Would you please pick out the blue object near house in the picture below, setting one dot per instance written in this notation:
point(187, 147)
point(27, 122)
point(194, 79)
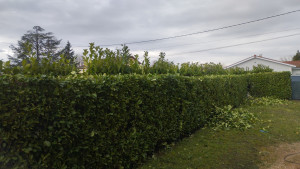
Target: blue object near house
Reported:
point(295, 87)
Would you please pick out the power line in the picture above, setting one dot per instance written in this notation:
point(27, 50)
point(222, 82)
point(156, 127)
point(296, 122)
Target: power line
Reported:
point(200, 32)
point(240, 44)
point(189, 44)
point(194, 33)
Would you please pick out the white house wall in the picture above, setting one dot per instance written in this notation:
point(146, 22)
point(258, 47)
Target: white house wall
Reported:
point(254, 62)
point(296, 72)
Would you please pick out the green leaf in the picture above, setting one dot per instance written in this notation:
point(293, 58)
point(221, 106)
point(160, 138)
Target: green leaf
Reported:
point(92, 134)
point(27, 150)
point(47, 143)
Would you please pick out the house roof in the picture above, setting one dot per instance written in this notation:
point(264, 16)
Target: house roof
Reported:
point(261, 58)
point(133, 58)
point(296, 63)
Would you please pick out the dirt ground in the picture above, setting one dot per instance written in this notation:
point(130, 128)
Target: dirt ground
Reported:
point(276, 157)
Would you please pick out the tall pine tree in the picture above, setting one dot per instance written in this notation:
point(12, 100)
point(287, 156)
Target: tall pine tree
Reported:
point(297, 56)
point(44, 44)
point(68, 53)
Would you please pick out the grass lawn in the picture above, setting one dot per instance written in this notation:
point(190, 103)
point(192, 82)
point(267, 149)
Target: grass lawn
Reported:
point(234, 148)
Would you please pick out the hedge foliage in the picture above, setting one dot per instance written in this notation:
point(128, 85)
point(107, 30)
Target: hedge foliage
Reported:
point(122, 61)
point(60, 67)
point(107, 121)
point(270, 84)
point(100, 61)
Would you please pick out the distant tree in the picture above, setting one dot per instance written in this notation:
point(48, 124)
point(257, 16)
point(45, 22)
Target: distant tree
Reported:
point(297, 56)
point(163, 66)
point(146, 63)
point(68, 53)
point(44, 44)
point(261, 68)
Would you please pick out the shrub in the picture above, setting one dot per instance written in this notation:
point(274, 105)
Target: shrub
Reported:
point(104, 121)
point(275, 84)
point(163, 66)
point(261, 68)
point(196, 69)
point(236, 71)
point(115, 121)
point(60, 67)
point(100, 61)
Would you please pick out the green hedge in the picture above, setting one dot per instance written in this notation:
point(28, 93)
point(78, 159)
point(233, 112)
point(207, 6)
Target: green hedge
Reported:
point(276, 84)
point(105, 121)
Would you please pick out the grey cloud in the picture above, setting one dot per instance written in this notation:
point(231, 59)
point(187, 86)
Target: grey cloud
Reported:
point(119, 21)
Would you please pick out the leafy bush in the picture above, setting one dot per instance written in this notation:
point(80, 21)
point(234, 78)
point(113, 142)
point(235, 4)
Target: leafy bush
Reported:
point(100, 61)
point(60, 67)
point(106, 61)
point(274, 84)
point(236, 71)
point(104, 121)
point(261, 68)
point(228, 117)
point(163, 66)
point(196, 69)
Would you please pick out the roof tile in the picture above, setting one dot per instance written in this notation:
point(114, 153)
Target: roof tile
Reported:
point(296, 63)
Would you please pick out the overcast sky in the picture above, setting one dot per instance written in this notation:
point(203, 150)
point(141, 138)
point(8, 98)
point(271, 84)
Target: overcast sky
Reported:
point(122, 21)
